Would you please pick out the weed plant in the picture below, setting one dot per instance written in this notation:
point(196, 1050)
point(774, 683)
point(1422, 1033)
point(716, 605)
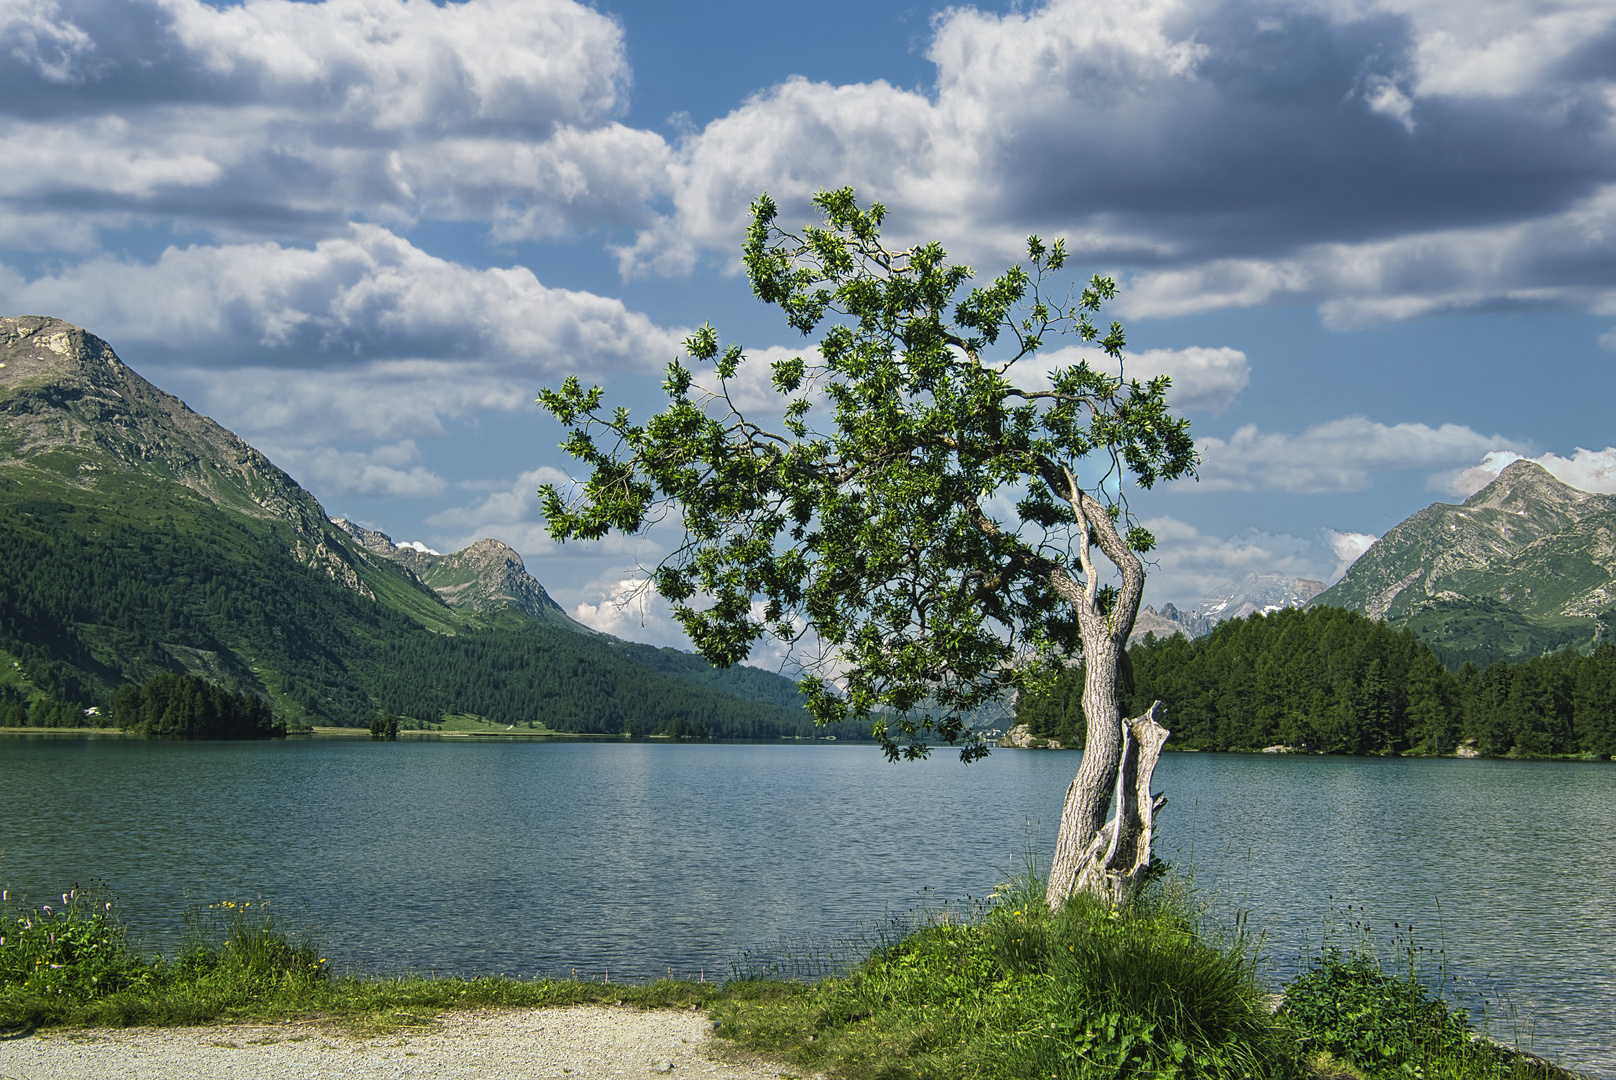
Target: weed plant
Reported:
point(1357, 1015)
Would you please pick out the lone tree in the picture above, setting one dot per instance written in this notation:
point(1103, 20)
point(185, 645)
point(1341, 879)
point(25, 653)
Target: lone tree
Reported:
point(919, 529)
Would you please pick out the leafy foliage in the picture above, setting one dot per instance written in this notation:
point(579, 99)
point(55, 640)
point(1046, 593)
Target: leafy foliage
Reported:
point(67, 953)
point(1383, 1024)
point(914, 520)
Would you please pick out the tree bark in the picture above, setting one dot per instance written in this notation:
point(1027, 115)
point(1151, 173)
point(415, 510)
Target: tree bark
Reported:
point(1118, 755)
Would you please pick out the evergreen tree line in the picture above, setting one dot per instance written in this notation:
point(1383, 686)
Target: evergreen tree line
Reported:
point(172, 706)
point(1327, 680)
point(44, 711)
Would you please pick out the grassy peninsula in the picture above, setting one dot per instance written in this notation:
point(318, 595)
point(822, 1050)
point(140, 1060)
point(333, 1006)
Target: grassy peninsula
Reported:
point(1011, 990)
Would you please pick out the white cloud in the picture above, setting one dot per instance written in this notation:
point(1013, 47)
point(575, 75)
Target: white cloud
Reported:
point(627, 607)
point(291, 409)
point(1607, 340)
point(1587, 470)
point(1382, 159)
point(1555, 260)
point(1347, 546)
point(367, 294)
point(1231, 155)
point(1188, 564)
point(1340, 455)
point(273, 117)
point(41, 39)
point(384, 470)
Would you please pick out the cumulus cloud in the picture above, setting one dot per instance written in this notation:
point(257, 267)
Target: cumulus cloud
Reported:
point(273, 117)
point(1562, 259)
point(1347, 546)
point(1587, 470)
point(1340, 455)
point(628, 607)
point(379, 401)
point(365, 294)
point(1379, 159)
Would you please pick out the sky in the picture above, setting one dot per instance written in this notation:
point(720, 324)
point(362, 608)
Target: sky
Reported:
point(1372, 241)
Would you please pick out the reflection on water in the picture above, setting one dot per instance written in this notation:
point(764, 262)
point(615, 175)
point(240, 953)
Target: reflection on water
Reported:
point(550, 858)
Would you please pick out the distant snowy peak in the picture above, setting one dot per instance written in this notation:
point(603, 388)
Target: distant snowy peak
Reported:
point(1238, 598)
point(1256, 593)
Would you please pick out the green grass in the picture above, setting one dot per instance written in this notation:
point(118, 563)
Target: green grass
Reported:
point(1018, 991)
point(71, 965)
point(1007, 991)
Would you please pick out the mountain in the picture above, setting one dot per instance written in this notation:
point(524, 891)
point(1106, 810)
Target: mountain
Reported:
point(1525, 565)
point(1249, 594)
point(140, 537)
point(71, 411)
point(486, 577)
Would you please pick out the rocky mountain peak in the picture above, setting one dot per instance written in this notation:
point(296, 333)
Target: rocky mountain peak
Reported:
point(1237, 598)
point(488, 575)
point(1526, 488)
point(1538, 547)
point(40, 350)
point(69, 407)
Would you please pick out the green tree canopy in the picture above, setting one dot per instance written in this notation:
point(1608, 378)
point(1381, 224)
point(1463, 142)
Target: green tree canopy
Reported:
point(920, 511)
point(909, 507)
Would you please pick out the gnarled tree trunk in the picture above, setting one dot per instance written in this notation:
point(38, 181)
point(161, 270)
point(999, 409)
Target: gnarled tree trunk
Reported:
point(1119, 756)
point(1117, 858)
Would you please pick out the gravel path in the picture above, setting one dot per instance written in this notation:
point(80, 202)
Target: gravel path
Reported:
point(581, 1043)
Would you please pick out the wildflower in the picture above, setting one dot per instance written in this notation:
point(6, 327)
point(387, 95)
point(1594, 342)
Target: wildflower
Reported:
point(46, 908)
point(64, 899)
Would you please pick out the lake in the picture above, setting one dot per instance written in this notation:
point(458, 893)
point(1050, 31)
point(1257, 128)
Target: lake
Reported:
point(634, 859)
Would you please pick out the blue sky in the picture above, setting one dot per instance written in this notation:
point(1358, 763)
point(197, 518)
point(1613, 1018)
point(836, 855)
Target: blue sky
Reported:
point(1374, 241)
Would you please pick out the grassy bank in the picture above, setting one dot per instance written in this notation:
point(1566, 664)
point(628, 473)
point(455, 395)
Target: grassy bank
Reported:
point(1012, 991)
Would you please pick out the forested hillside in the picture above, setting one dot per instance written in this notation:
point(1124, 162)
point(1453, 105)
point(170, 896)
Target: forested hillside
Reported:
point(1327, 680)
point(95, 594)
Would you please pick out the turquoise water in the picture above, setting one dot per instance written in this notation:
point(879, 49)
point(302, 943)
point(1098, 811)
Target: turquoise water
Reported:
point(555, 858)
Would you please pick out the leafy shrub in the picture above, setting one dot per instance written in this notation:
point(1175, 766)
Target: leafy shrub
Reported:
point(1384, 1025)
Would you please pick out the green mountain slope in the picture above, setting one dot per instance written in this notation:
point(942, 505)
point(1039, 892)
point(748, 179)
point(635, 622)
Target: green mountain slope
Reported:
point(1526, 565)
point(140, 537)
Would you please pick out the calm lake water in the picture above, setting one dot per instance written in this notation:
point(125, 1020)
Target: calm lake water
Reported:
point(555, 858)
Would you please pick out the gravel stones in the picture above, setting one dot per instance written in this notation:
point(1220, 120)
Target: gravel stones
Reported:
point(581, 1043)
